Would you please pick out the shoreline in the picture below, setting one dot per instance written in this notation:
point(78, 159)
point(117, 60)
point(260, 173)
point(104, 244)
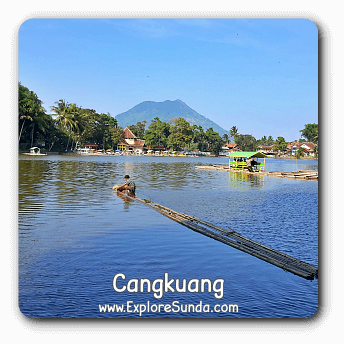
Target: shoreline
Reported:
point(153, 155)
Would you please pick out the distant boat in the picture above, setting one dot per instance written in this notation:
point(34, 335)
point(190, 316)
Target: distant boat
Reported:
point(35, 151)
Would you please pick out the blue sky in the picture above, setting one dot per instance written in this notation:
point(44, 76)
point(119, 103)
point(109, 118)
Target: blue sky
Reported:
point(260, 75)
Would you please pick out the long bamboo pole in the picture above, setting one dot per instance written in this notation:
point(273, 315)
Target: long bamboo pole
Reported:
point(236, 240)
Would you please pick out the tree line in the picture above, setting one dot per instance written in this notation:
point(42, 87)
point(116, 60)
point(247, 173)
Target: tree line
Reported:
point(74, 126)
point(178, 134)
point(71, 126)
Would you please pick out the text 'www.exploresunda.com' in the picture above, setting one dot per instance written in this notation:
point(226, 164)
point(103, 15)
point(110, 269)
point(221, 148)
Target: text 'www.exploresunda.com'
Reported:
point(175, 307)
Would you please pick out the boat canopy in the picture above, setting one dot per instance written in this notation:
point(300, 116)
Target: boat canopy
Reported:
point(35, 150)
point(247, 155)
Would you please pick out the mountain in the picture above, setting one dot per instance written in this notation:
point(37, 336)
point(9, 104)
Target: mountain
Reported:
point(148, 110)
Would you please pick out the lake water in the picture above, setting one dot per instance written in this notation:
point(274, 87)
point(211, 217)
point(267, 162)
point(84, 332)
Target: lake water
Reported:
point(75, 235)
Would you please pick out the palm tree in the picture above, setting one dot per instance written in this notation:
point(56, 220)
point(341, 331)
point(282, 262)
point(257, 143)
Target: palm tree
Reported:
point(30, 108)
point(233, 132)
point(80, 123)
point(40, 120)
point(61, 110)
point(270, 141)
point(76, 122)
point(66, 114)
point(23, 117)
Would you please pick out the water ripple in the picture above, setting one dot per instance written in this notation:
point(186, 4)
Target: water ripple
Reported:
point(75, 234)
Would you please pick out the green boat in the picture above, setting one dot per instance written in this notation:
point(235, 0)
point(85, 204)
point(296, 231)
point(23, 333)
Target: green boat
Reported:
point(237, 160)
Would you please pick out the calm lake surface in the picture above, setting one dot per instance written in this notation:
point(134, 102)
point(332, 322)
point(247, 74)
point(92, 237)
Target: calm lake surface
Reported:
point(75, 235)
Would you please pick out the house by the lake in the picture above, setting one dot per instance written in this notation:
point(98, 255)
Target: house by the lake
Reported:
point(307, 147)
point(130, 143)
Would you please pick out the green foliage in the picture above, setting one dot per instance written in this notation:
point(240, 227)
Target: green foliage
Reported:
point(138, 129)
point(310, 132)
point(199, 138)
point(266, 141)
point(157, 133)
point(33, 121)
point(233, 132)
point(225, 138)
point(280, 145)
point(72, 127)
point(215, 141)
point(246, 143)
point(181, 134)
point(299, 152)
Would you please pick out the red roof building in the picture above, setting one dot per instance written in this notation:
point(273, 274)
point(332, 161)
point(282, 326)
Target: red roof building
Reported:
point(308, 148)
point(91, 145)
point(231, 147)
point(130, 142)
point(265, 148)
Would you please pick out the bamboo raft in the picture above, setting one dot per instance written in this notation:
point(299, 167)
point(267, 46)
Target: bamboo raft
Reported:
point(301, 174)
point(236, 240)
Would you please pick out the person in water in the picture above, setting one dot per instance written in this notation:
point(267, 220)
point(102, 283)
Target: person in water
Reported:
point(129, 186)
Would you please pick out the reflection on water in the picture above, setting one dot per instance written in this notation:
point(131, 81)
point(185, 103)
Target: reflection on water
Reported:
point(238, 179)
point(75, 234)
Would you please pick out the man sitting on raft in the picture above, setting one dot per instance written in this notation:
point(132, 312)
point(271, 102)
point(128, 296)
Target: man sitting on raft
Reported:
point(129, 186)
